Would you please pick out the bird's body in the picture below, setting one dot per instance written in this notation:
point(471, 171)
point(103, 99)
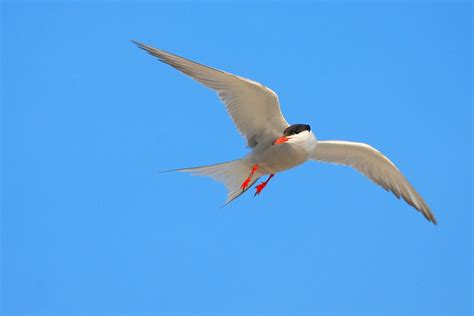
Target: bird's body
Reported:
point(277, 158)
point(277, 146)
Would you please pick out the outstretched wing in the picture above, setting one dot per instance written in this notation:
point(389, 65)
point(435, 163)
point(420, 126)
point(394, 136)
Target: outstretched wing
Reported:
point(374, 165)
point(253, 107)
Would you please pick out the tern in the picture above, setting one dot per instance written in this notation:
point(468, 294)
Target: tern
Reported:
point(276, 145)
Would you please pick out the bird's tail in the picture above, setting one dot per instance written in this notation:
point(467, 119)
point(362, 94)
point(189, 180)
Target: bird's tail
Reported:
point(232, 174)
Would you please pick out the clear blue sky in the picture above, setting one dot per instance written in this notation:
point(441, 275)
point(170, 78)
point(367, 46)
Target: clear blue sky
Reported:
point(89, 226)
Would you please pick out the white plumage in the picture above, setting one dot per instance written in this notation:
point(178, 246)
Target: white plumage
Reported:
point(277, 146)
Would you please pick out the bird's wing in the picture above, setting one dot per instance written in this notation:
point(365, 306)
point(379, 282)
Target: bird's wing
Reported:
point(374, 165)
point(253, 107)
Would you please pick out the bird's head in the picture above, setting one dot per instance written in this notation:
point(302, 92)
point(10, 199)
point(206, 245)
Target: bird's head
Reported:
point(294, 132)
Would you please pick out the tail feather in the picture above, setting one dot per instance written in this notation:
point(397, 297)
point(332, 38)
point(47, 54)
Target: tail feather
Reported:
point(232, 174)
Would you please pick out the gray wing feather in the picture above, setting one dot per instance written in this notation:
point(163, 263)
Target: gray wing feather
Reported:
point(254, 108)
point(375, 166)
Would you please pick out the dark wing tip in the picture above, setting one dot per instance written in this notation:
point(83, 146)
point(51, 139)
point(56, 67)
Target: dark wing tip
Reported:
point(137, 43)
point(142, 45)
point(428, 215)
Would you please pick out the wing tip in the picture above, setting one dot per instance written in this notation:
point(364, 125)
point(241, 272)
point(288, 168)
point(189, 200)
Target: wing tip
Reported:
point(142, 45)
point(432, 219)
point(138, 43)
point(427, 214)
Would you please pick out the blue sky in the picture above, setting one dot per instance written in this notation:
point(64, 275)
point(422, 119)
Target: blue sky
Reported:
point(89, 225)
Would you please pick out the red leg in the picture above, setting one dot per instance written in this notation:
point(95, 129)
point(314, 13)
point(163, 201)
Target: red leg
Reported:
point(262, 185)
point(247, 181)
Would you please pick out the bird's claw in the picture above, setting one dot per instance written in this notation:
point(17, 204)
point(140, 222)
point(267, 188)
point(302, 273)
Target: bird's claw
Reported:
point(245, 184)
point(259, 188)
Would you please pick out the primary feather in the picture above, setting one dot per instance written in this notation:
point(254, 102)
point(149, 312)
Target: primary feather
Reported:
point(375, 166)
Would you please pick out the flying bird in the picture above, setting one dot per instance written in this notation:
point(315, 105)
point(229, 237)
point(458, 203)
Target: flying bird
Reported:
point(276, 145)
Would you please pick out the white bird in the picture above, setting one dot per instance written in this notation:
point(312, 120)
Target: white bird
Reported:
point(276, 145)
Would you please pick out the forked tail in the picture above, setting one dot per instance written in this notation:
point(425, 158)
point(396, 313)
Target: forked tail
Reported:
point(232, 174)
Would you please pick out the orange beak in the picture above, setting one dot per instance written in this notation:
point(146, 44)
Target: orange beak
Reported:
point(281, 140)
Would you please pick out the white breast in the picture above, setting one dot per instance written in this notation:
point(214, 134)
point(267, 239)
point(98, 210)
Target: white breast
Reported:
point(292, 153)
